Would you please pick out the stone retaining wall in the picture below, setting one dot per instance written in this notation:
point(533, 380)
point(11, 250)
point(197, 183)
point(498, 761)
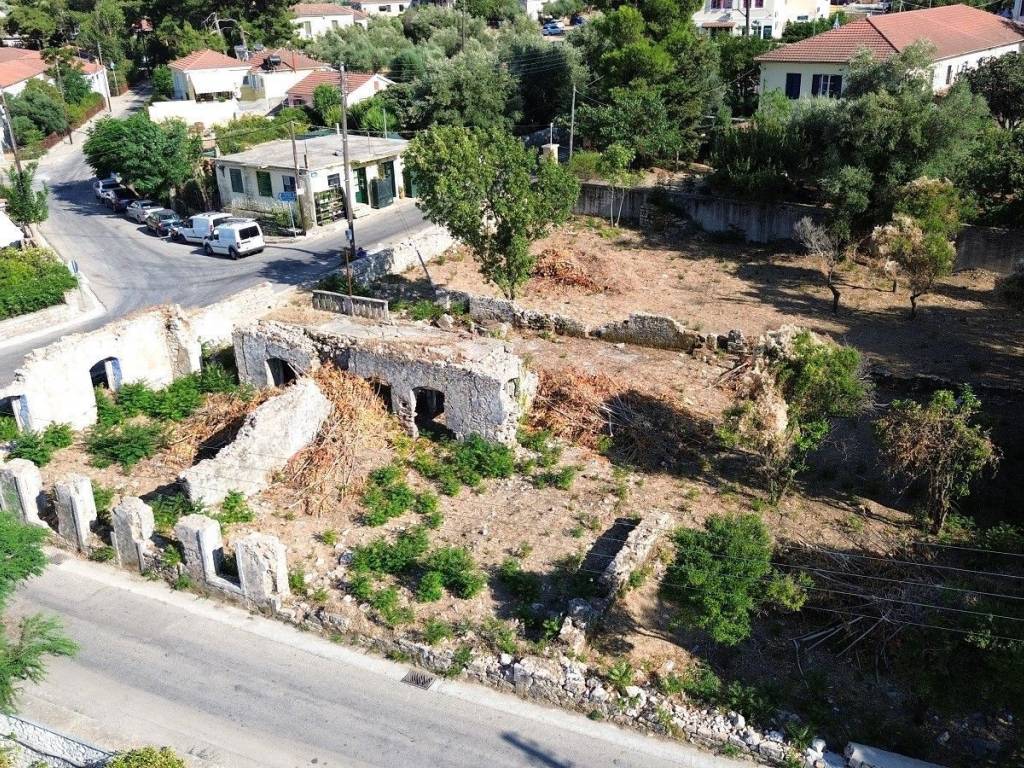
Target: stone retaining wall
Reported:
point(35, 744)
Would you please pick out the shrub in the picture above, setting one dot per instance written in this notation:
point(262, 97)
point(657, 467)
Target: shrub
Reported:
point(297, 582)
point(621, 674)
point(102, 554)
point(361, 586)
point(8, 428)
point(719, 574)
point(320, 596)
point(421, 309)
point(147, 757)
point(381, 556)
point(465, 463)
point(124, 444)
point(167, 508)
point(386, 495)
point(522, 585)
point(458, 571)
point(39, 447)
point(235, 509)
point(431, 587)
point(30, 280)
point(541, 442)
point(135, 398)
point(702, 684)
point(460, 660)
point(385, 602)
point(328, 537)
point(558, 478)
point(435, 630)
point(180, 399)
point(500, 635)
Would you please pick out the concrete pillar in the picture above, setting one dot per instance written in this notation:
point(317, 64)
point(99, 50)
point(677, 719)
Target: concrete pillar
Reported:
point(21, 490)
point(201, 544)
point(132, 520)
point(76, 510)
point(262, 568)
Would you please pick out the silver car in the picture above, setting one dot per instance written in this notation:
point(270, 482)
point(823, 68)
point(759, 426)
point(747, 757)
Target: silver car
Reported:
point(138, 210)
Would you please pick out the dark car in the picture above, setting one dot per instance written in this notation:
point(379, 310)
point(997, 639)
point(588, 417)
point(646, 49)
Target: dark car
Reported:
point(120, 198)
point(161, 221)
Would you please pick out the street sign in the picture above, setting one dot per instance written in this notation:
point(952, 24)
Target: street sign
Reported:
point(286, 197)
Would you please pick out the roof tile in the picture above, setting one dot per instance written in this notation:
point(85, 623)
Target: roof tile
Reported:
point(206, 59)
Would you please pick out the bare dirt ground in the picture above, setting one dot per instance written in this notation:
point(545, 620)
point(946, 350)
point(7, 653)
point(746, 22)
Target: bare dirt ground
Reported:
point(962, 331)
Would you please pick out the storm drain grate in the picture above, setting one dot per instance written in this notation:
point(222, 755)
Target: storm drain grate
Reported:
point(419, 679)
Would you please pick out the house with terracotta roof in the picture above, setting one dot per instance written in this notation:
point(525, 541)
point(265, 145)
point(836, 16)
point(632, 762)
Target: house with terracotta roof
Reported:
point(961, 36)
point(768, 18)
point(19, 65)
point(360, 86)
point(273, 71)
point(208, 76)
point(315, 19)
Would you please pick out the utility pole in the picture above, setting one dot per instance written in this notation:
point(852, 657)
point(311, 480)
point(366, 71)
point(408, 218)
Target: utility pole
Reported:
point(106, 82)
point(10, 130)
point(351, 251)
point(63, 100)
point(572, 120)
point(295, 161)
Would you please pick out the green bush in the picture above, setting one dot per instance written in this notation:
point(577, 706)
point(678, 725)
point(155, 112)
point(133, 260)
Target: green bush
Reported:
point(385, 602)
point(621, 674)
point(524, 586)
point(541, 442)
point(297, 582)
point(500, 635)
point(147, 757)
point(382, 556)
point(431, 587)
point(719, 576)
point(562, 478)
point(102, 554)
point(124, 444)
point(456, 464)
point(167, 508)
point(458, 570)
point(8, 428)
point(39, 447)
point(435, 630)
point(103, 497)
point(235, 509)
point(421, 309)
point(30, 280)
point(387, 495)
point(702, 684)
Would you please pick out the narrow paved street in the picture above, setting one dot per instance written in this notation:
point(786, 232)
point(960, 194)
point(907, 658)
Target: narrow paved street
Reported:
point(129, 269)
point(231, 689)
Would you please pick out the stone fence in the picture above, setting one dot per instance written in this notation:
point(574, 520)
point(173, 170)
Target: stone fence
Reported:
point(426, 245)
point(34, 744)
point(355, 306)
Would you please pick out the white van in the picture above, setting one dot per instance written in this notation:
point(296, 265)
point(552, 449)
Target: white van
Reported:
point(195, 229)
point(235, 238)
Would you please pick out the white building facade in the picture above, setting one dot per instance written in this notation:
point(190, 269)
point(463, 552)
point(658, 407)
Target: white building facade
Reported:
point(768, 18)
point(208, 75)
point(315, 19)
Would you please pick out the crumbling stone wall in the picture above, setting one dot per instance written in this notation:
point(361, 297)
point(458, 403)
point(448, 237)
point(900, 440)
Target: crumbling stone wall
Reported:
point(270, 436)
point(133, 525)
point(650, 331)
point(485, 386)
point(262, 569)
point(635, 551)
point(21, 490)
point(76, 510)
point(430, 243)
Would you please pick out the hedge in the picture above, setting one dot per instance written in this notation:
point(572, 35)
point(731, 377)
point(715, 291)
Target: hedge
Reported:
point(30, 280)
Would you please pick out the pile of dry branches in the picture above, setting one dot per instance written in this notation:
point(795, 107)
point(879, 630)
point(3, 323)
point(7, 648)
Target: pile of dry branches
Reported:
point(565, 269)
point(213, 426)
point(347, 445)
point(572, 404)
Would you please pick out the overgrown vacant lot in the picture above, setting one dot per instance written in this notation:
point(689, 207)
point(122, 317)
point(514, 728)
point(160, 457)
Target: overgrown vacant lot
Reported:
point(962, 332)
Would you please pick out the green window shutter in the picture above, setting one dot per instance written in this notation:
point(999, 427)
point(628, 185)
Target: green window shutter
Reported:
point(263, 184)
point(236, 181)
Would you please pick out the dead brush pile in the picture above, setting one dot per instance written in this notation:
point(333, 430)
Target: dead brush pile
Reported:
point(572, 270)
point(610, 415)
point(349, 445)
point(213, 426)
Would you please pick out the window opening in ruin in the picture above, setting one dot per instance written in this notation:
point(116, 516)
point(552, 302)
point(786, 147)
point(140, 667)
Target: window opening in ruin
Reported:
point(106, 374)
point(430, 412)
point(383, 391)
point(14, 408)
point(280, 372)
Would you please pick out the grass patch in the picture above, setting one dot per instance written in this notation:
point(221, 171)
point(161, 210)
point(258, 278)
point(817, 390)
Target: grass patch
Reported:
point(168, 508)
point(382, 556)
point(102, 554)
point(435, 630)
point(561, 478)
point(457, 571)
point(420, 309)
point(542, 443)
point(235, 509)
point(124, 444)
point(31, 279)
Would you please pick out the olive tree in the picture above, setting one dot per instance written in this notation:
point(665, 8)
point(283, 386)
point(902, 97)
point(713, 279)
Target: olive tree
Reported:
point(492, 193)
point(939, 444)
point(825, 248)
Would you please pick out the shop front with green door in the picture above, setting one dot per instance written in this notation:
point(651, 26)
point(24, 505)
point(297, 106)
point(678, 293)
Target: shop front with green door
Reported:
point(362, 195)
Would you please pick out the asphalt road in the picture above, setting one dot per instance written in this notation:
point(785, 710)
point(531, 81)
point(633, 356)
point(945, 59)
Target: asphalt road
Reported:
point(230, 689)
point(129, 269)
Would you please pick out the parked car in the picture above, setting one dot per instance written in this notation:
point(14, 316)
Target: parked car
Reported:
point(138, 210)
point(235, 238)
point(120, 198)
point(195, 229)
point(552, 28)
point(161, 220)
point(577, 20)
point(101, 186)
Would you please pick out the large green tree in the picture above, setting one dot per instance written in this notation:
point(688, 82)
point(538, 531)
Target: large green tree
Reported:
point(25, 204)
point(154, 158)
point(492, 193)
point(1000, 81)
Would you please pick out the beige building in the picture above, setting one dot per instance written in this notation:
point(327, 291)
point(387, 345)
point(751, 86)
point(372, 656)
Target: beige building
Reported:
point(264, 179)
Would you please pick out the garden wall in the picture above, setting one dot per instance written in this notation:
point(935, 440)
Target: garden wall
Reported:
point(36, 744)
point(755, 222)
point(77, 302)
point(991, 248)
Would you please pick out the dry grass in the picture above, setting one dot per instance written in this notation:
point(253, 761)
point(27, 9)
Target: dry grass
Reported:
point(359, 428)
point(572, 404)
point(570, 269)
point(212, 426)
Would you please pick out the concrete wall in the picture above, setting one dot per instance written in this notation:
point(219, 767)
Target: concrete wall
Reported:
point(38, 744)
point(429, 243)
point(309, 27)
point(207, 113)
point(990, 248)
point(756, 222)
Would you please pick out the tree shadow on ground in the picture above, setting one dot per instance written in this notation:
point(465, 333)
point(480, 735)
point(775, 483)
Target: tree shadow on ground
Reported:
point(534, 753)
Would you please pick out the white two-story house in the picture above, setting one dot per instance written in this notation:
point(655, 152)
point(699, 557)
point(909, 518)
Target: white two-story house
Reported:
point(768, 18)
point(962, 36)
point(315, 19)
